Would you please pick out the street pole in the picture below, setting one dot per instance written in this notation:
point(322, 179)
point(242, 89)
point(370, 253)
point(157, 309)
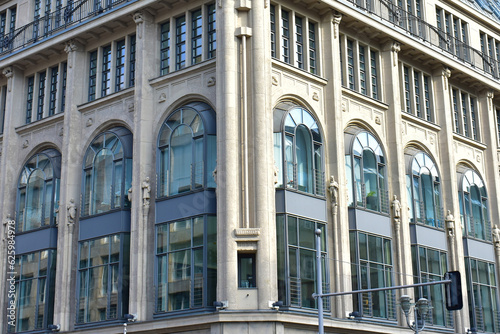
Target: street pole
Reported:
point(319, 282)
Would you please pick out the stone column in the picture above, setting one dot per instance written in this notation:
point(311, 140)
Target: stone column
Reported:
point(10, 165)
point(449, 185)
point(71, 174)
point(228, 152)
point(141, 298)
point(338, 224)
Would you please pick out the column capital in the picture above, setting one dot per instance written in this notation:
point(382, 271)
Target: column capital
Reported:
point(8, 72)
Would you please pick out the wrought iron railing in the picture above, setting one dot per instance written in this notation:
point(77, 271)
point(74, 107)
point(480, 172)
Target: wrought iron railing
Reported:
point(476, 228)
point(292, 179)
point(62, 18)
point(374, 200)
point(422, 218)
point(417, 28)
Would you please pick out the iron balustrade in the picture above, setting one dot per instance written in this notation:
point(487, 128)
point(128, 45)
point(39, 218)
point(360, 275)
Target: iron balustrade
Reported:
point(44, 27)
point(376, 202)
point(476, 228)
point(436, 221)
point(420, 30)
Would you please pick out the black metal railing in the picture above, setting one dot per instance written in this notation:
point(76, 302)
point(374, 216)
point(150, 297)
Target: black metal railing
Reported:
point(476, 228)
point(44, 27)
point(373, 200)
point(417, 28)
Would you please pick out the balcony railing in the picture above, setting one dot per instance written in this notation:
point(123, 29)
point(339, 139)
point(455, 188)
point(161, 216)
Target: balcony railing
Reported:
point(44, 27)
point(419, 29)
point(422, 218)
point(375, 201)
point(476, 228)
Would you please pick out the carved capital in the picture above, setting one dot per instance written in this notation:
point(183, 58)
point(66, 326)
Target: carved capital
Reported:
point(8, 72)
point(70, 46)
point(138, 17)
point(336, 22)
point(446, 73)
point(395, 47)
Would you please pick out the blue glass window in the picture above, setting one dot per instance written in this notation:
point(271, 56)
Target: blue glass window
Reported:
point(474, 206)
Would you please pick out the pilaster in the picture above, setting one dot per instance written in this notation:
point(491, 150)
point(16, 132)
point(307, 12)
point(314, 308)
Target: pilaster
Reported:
point(141, 298)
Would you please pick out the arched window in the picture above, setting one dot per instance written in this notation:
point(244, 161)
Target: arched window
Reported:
point(474, 206)
point(187, 150)
point(107, 172)
point(366, 171)
point(424, 191)
point(298, 149)
point(38, 191)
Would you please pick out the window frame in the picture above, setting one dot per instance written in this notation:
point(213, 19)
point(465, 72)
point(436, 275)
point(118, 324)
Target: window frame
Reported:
point(466, 116)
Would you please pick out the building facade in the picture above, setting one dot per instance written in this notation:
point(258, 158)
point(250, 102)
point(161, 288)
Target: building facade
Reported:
point(165, 164)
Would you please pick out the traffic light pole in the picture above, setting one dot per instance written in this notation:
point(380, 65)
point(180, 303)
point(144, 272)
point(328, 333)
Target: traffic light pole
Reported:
point(319, 295)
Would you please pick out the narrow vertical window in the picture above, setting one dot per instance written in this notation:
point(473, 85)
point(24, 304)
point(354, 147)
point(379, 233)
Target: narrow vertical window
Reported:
point(498, 125)
point(41, 94)
point(53, 90)
point(196, 36)
point(36, 17)
point(455, 111)
point(350, 64)
point(29, 98)
point(46, 26)
point(131, 64)
point(106, 71)
point(362, 69)
point(92, 75)
point(120, 66)
point(273, 31)
point(63, 86)
point(13, 13)
point(285, 36)
point(180, 42)
point(3, 23)
point(299, 43)
point(246, 270)
point(165, 48)
point(406, 75)
point(212, 36)
point(427, 99)
point(465, 117)
point(374, 74)
point(3, 104)
point(417, 92)
point(312, 48)
point(473, 118)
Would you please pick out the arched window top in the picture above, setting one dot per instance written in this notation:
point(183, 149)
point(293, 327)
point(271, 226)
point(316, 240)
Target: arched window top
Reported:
point(288, 117)
point(47, 162)
point(116, 142)
point(364, 140)
point(423, 164)
point(470, 179)
point(199, 117)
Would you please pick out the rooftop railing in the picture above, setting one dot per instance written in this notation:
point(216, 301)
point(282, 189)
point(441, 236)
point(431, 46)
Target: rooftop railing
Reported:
point(418, 29)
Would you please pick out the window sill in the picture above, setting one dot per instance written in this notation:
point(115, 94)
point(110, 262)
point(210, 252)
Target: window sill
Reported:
point(420, 121)
point(468, 141)
point(116, 96)
point(82, 218)
point(299, 72)
point(202, 66)
point(365, 98)
point(26, 128)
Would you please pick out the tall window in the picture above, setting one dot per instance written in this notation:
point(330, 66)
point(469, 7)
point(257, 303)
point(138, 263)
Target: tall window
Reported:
point(92, 75)
point(418, 93)
point(29, 98)
point(296, 244)
point(131, 61)
point(474, 206)
point(196, 36)
point(106, 71)
point(34, 286)
point(366, 172)
point(107, 172)
point(186, 261)
point(180, 42)
point(431, 265)
point(424, 191)
point(371, 258)
point(41, 94)
point(187, 150)
point(360, 67)
point(408, 14)
point(498, 125)
point(298, 149)
point(120, 65)
point(296, 43)
point(482, 292)
point(490, 47)
point(212, 29)
point(165, 48)
point(7, 27)
point(453, 34)
point(103, 278)
point(38, 191)
point(3, 105)
point(465, 114)
point(53, 90)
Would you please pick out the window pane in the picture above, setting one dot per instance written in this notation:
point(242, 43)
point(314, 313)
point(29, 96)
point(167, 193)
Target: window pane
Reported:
point(179, 278)
point(103, 179)
point(180, 235)
point(304, 159)
point(34, 200)
point(181, 160)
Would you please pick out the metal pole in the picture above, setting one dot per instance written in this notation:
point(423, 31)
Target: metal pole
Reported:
point(319, 282)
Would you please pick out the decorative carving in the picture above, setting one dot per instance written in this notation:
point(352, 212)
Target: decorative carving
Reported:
point(90, 121)
point(495, 233)
point(129, 194)
point(450, 224)
point(56, 210)
point(396, 207)
point(7, 72)
point(315, 96)
point(8, 221)
point(377, 120)
point(276, 173)
point(333, 188)
point(274, 80)
point(336, 22)
point(162, 98)
point(131, 107)
point(214, 174)
point(139, 21)
point(489, 97)
point(211, 82)
point(344, 106)
point(478, 158)
point(395, 48)
point(26, 143)
point(446, 73)
point(431, 140)
point(219, 3)
point(69, 47)
point(146, 193)
point(61, 131)
point(71, 208)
